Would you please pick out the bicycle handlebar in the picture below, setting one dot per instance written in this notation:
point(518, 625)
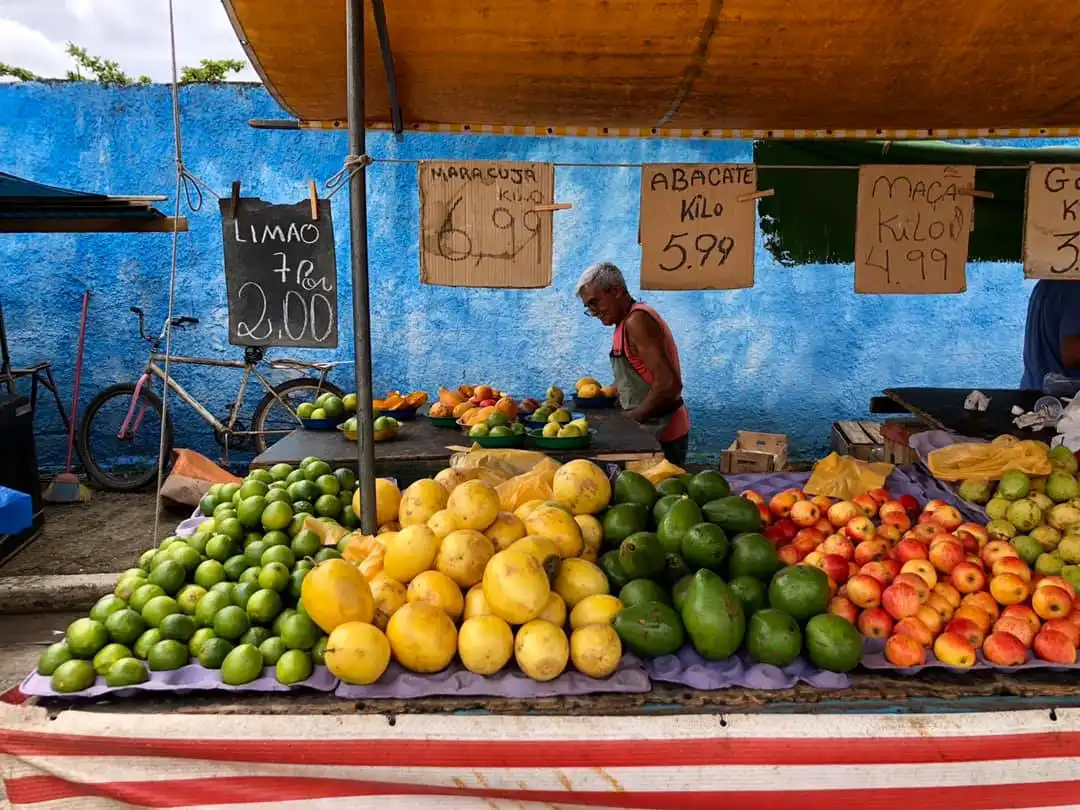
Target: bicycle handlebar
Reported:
point(178, 322)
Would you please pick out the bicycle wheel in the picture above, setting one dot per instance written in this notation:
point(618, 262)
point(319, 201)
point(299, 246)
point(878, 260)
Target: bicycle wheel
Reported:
point(272, 420)
point(129, 463)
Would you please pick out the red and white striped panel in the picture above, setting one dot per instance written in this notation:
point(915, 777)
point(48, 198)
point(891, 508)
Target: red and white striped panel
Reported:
point(89, 761)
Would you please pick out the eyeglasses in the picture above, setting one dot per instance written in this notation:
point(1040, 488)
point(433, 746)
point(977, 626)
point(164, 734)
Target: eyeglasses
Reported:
point(591, 306)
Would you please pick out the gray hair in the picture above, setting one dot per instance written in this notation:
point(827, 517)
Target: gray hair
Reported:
point(604, 274)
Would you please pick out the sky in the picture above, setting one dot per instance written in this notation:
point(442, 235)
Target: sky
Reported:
point(135, 33)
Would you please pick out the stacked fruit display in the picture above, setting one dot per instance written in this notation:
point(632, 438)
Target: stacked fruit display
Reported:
point(923, 580)
point(589, 388)
point(689, 560)
point(453, 574)
point(1039, 516)
point(228, 597)
point(327, 406)
point(476, 405)
point(553, 420)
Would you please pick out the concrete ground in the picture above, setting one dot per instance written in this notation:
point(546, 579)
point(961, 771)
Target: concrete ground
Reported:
point(105, 535)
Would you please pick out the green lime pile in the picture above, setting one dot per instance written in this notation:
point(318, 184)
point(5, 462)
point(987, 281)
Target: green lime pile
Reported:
point(226, 598)
point(689, 563)
point(327, 406)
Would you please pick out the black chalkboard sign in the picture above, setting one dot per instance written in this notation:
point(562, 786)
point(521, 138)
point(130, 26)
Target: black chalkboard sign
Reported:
point(281, 274)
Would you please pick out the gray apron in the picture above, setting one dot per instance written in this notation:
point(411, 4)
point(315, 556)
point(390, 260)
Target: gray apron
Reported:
point(633, 389)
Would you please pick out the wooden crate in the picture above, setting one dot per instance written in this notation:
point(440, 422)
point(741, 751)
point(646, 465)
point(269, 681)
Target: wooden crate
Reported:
point(897, 434)
point(858, 439)
point(755, 453)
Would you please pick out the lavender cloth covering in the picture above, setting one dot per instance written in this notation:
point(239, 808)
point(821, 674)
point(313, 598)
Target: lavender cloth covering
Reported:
point(401, 684)
point(689, 669)
point(190, 678)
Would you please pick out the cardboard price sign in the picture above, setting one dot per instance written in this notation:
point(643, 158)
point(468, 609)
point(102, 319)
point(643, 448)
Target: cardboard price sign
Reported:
point(1052, 223)
point(478, 226)
point(912, 228)
point(695, 232)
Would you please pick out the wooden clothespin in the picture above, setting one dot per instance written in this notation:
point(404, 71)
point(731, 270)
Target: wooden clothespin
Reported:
point(313, 195)
point(974, 192)
point(234, 199)
point(756, 195)
point(553, 207)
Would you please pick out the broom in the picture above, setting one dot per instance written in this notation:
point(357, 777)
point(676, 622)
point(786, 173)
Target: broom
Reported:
point(66, 487)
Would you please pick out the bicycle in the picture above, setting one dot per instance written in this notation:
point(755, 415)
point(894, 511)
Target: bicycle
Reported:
point(274, 414)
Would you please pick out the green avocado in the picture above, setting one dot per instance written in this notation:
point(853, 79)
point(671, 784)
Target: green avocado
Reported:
point(641, 555)
point(713, 616)
point(661, 507)
point(708, 486)
point(679, 519)
point(612, 568)
point(705, 546)
point(639, 591)
point(650, 629)
point(623, 520)
point(734, 514)
point(632, 487)
point(752, 555)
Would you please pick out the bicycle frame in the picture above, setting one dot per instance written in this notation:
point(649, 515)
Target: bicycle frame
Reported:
point(128, 428)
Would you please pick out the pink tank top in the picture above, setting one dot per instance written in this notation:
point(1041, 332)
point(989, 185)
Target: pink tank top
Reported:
point(679, 425)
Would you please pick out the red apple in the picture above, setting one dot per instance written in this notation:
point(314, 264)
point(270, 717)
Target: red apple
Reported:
point(868, 504)
point(907, 550)
point(916, 629)
point(1025, 613)
point(775, 535)
point(823, 502)
point(1008, 589)
point(1011, 565)
point(967, 578)
point(795, 491)
point(788, 527)
point(841, 513)
point(1066, 627)
point(1051, 602)
point(916, 582)
point(1017, 628)
point(1074, 617)
point(781, 504)
point(934, 504)
point(904, 652)
point(890, 533)
point(813, 558)
point(1004, 649)
point(841, 606)
point(897, 519)
point(996, 549)
point(753, 496)
point(949, 593)
point(789, 555)
point(909, 503)
point(835, 567)
point(946, 555)
point(901, 600)
point(968, 629)
point(977, 615)
point(948, 517)
point(1059, 582)
point(984, 601)
point(973, 530)
point(864, 591)
point(881, 495)
point(875, 623)
point(953, 650)
point(839, 545)
point(940, 606)
point(869, 550)
point(1055, 647)
point(824, 526)
point(922, 569)
point(929, 617)
point(860, 528)
point(766, 514)
point(807, 540)
point(805, 513)
point(942, 536)
point(892, 567)
point(877, 570)
point(925, 532)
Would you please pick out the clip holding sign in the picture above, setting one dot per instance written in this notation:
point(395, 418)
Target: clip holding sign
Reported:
point(313, 196)
point(234, 199)
point(974, 192)
point(757, 195)
point(553, 207)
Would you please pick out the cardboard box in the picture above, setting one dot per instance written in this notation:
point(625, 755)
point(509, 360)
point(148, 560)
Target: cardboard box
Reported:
point(861, 440)
point(755, 453)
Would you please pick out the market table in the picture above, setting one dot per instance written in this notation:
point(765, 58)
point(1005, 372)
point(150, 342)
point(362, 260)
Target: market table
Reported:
point(423, 449)
point(943, 408)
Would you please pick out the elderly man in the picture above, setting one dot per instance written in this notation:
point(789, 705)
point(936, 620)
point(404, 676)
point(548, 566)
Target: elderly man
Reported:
point(644, 358)
point(1052, 333)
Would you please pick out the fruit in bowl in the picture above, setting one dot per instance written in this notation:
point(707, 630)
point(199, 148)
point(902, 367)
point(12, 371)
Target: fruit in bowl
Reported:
point(590, 388)
point(386, 428)
point(440, 410)
point(395, 401)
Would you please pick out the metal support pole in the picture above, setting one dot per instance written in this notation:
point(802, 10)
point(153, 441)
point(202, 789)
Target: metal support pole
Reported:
point(365, 447)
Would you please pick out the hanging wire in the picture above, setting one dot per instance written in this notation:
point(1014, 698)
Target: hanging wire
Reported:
point(760, 166)
point(180, 187)
point(341, 178)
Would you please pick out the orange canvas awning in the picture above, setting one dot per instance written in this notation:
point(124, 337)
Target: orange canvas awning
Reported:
point(750, 68)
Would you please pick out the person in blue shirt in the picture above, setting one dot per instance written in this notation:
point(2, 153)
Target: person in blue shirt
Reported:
point(1052, 333)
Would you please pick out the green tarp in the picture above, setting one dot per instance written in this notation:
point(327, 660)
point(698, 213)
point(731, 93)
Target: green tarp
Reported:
point(811, 217)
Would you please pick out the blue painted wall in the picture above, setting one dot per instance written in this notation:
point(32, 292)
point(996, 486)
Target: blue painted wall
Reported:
point(793, 354)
